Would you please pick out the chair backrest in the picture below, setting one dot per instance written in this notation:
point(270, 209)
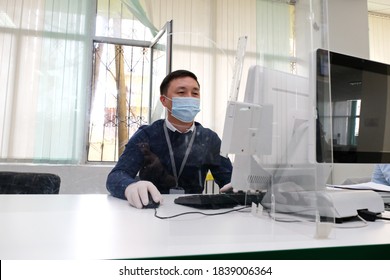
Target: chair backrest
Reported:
point(29, 183)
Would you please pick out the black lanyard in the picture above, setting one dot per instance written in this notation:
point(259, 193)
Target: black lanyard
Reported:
point(183, 163)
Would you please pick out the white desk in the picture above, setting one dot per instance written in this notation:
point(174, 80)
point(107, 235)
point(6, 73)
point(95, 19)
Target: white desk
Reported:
point(103, 227)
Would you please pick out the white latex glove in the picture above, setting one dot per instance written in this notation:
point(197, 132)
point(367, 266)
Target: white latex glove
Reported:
point(226, 188)
point(229, 188)
point(137, 193)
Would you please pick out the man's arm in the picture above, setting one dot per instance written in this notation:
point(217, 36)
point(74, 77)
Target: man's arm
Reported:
point(122, 182)
point(386, 172)
point(126, 169)
point(117, 182)
point(222, 172)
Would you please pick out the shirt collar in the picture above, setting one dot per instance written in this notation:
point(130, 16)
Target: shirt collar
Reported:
point(171, 127)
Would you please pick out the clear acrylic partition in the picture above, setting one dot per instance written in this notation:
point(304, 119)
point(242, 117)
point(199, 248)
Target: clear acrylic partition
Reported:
point(286, 73)
point(161, 58)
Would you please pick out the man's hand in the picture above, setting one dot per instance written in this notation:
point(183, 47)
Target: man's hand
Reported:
point(226, 188)
point(137, 193)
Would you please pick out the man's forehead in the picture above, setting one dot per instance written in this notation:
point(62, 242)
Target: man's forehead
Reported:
point(185, 82)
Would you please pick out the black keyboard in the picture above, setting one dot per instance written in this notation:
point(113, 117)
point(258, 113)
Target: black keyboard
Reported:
point(218, 201)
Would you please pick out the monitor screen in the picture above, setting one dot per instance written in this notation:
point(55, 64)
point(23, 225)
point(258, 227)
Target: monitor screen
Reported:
point(353, 105)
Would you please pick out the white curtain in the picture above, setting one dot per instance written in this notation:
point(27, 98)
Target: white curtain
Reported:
point(379, 34)
point(45, 61)
point(275, 42)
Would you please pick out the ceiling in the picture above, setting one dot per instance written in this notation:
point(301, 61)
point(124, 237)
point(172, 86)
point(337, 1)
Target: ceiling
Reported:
point(379, 6)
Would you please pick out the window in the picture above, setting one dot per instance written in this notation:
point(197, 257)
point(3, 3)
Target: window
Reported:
point(128, 64)
point(346, 122)
point(120, 98)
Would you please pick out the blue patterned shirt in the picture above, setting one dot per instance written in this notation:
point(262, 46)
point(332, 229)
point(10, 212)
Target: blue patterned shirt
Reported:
point(381, 174)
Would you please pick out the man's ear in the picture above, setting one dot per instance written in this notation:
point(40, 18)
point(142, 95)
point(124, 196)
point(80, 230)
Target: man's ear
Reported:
point(163, 100)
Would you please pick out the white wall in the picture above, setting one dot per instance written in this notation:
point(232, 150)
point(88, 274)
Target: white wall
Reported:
point(348, 27)
point(341, 172)
point(75, 179)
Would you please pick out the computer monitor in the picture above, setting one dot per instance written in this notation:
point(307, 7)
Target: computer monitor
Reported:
point(271, 133)
point(354, 116)
point(246, 135)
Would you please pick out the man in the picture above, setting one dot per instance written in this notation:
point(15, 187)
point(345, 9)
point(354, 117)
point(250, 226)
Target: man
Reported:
point(171, 155)
point(381, 174)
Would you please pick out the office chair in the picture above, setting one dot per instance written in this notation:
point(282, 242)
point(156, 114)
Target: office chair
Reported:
point(29, 183)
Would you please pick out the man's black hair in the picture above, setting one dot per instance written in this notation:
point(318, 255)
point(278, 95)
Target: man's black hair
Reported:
point(174, 75)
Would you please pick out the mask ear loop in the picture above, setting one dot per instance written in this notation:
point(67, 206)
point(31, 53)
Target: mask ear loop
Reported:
point(165, 98)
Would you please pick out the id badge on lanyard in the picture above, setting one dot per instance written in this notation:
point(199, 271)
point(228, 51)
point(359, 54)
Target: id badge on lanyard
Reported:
point(177, 189)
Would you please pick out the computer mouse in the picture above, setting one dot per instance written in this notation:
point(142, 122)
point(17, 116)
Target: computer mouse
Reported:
point(152, 203)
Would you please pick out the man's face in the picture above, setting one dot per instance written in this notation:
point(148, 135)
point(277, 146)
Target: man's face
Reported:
point(180, 87)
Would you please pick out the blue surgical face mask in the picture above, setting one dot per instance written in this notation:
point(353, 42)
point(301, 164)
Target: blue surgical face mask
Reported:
point(185, 109)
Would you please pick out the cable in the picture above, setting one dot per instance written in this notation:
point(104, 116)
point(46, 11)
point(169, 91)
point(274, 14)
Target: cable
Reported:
point(382, 218)
point(352, 226)
point(363, 215)
point(198, 212)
